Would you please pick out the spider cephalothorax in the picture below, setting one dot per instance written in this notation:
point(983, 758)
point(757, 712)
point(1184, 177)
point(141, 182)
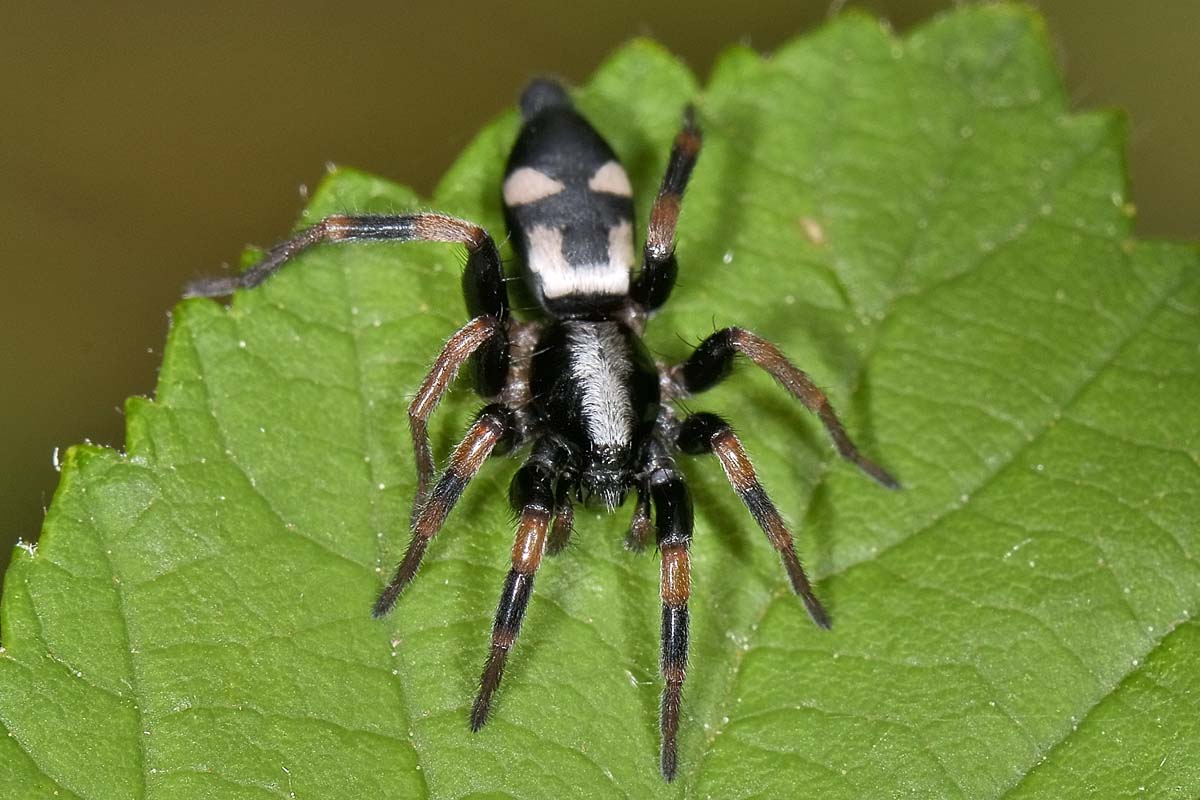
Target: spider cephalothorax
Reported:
point(577, 386)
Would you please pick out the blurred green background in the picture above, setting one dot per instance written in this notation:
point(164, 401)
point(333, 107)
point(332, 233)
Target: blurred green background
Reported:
point(141, 147)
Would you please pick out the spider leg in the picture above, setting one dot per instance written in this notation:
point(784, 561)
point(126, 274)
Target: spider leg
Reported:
point(657, 277)
point(485, 338)
point(640, 525)
point(564, 520)
point(460, 347)
point(708, 433)
point(532, 495)
point(713, 361)
point(493, 427)
point(483, 280)
point(673, 521)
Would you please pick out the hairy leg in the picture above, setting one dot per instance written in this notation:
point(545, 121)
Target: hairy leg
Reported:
point(708, 433)
point(493, 428)
point(713, 360)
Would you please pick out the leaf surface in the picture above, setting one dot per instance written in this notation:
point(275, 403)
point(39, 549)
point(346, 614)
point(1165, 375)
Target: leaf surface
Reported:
point(925, 228)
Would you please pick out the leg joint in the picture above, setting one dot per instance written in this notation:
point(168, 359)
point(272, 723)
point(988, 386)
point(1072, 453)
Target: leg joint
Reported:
point(712, 361)
point(672, 513)
point(501, 423)
point(698, 433)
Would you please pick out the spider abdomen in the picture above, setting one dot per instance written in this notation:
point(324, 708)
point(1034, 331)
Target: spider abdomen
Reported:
point(569, 206)
point(594, 384)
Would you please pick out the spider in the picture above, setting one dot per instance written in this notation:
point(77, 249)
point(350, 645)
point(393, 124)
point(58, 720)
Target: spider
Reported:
point(578, 385)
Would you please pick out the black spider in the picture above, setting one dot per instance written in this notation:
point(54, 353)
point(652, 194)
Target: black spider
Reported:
point(578, 385)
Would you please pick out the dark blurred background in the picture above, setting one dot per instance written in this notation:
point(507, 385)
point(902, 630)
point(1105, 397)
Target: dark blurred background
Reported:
point(141, 147)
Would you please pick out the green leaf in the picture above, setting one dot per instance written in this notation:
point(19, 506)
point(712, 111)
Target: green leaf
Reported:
point(923, 226)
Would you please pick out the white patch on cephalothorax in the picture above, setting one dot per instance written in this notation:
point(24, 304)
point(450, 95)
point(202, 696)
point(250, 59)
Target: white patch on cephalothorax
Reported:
point(601, 366)
point(528, 185)
point(557, 277)
point(611, 179)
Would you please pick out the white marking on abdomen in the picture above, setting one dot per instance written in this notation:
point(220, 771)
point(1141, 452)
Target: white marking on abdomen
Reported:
point(558, 278)
point(528, 185)
point(611, 179)
point(600, 363)
point(620, 247)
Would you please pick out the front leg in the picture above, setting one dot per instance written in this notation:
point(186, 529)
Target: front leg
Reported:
point(673, 522)
point(532, 495)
